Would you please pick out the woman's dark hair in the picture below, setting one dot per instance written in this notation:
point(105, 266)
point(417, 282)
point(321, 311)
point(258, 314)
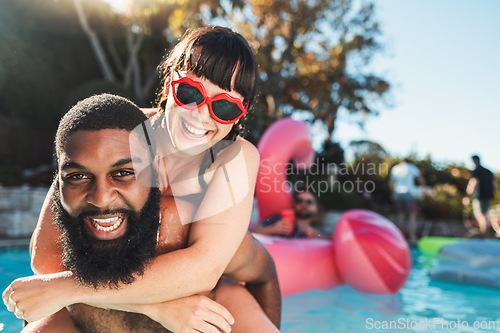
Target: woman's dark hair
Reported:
point(216, 54)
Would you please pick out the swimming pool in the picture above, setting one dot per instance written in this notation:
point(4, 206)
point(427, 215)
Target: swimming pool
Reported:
point(422, 305)
point(13, 264)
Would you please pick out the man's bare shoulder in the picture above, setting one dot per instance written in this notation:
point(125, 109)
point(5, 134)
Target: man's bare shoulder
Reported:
point(91, 319)
point(173, 233)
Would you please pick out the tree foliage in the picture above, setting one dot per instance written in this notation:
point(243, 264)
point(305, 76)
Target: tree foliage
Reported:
point(312, 57)
point(43, 56)
point(129, 44)
point(446, 185)
point(48, 61)
point(311, 53)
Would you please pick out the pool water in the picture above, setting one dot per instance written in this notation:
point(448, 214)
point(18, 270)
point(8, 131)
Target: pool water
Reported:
point(13, 264)
point(422, 305)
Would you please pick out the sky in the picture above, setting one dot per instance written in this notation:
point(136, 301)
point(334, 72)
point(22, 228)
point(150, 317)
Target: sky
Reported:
point(442, 60)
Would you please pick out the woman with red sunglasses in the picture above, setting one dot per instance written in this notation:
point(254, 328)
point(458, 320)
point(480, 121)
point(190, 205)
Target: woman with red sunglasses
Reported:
point(209, 172)
point(208, 84)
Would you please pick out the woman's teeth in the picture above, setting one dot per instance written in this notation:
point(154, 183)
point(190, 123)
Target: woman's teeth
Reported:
point(194, 131)
point(115, 220)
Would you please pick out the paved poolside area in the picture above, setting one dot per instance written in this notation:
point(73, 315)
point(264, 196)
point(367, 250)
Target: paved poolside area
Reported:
point(14, 243)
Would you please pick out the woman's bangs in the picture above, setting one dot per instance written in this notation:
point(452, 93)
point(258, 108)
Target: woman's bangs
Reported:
point(218, 60)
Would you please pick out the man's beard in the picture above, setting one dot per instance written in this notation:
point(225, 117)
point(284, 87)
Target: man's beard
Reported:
point(108, 263)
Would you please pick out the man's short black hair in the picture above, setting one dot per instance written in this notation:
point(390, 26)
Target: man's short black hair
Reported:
point(97, 113)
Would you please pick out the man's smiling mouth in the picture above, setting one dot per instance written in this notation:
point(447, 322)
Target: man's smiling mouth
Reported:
point(107, 224)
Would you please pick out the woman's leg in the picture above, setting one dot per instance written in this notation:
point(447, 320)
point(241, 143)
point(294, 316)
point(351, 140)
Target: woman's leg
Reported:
point(248, 315)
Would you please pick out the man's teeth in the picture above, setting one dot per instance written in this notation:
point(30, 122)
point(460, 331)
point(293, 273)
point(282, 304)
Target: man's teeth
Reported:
point(97, 223)
point(193, 130)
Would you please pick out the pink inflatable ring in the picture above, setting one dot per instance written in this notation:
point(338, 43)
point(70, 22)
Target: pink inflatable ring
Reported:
point(367, 251)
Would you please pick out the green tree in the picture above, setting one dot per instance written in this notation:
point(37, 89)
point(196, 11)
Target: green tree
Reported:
point(48, 62)
point(128, 44)
point(312, 57)
point(43, 56)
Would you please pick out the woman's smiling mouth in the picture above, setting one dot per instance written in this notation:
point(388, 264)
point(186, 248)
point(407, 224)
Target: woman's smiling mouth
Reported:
point(193, 132)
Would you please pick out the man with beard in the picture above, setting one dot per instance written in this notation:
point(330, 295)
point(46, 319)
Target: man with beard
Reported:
point(305, 215)
point(111, 229)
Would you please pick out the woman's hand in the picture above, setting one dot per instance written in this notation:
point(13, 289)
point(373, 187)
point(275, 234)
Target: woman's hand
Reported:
point(191, 314)
point(35, 297)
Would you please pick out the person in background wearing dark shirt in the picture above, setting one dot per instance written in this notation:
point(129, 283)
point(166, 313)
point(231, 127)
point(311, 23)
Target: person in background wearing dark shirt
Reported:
point(481, 189)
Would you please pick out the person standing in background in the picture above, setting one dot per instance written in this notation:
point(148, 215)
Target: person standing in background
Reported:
point(481, 188)
point(402, 182)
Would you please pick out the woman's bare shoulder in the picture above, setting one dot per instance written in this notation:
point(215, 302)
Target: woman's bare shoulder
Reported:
point(249, 150)
point(241, 149)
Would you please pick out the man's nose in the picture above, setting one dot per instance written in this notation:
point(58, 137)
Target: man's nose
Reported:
point(102, 193)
